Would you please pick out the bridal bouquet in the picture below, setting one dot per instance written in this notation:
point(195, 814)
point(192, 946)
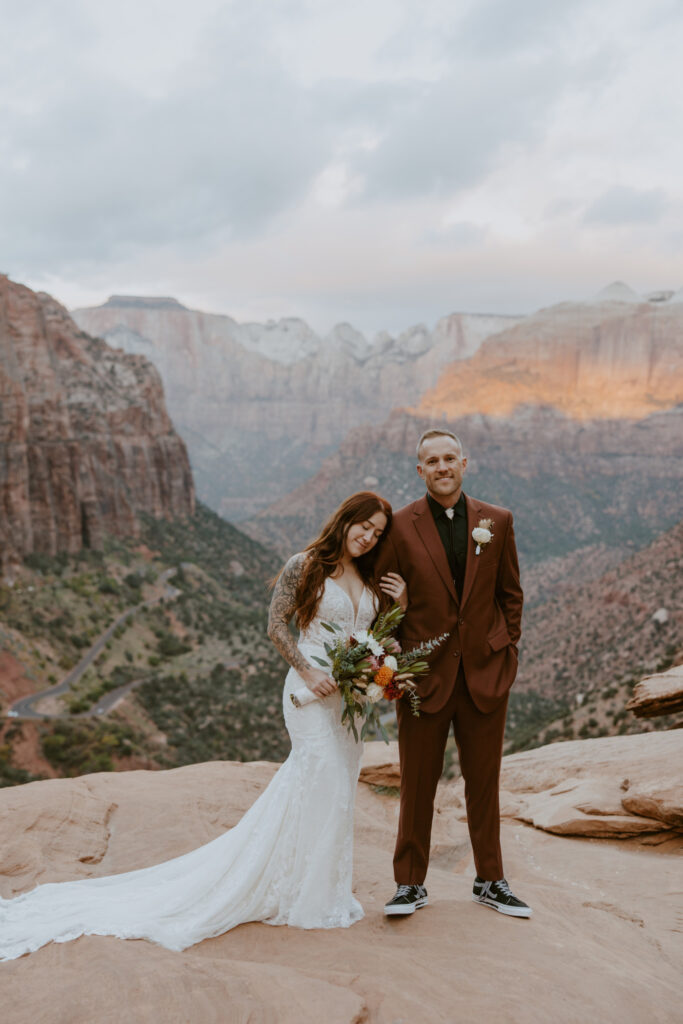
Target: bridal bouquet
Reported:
point(369, 666)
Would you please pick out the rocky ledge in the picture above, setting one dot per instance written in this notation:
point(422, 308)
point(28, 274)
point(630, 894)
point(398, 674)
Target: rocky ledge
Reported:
point(604, 942)
point(613, 787)
point(658, 694)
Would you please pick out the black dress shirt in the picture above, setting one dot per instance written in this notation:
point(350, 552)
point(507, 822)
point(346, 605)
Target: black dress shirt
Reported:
point(453, 533)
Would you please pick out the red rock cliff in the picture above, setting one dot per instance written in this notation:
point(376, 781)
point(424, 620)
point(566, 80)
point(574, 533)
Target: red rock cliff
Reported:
point(85, 440)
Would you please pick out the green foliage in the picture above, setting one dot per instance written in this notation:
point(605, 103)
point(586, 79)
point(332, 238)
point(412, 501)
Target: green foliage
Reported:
point(170, 646)
point(10, 775)
point(223, 715)
point(47, 564)
point(529, 713)
point(77, 748)
point(109, 586)
point(209, 542)
point(392, 791)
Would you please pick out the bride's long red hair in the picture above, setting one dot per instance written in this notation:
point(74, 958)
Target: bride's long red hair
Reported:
point(325, 553)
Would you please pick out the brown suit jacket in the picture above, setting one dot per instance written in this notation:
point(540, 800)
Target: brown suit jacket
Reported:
point(484, 627)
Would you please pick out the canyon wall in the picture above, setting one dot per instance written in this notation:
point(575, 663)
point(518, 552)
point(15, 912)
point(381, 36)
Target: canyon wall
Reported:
point(261, 405)
point(86, 442)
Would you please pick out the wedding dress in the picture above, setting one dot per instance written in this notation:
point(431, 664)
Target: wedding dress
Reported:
point(287, 861)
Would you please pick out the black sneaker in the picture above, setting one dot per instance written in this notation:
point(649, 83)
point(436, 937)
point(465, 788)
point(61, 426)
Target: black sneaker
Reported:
point(407, 900)
point(499, 896)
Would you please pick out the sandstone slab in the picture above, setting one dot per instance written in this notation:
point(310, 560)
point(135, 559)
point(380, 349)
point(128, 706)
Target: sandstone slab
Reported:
point(585, 807)
point(380, 765)
point(659, 694)
point(615, 786)
point(604, 943)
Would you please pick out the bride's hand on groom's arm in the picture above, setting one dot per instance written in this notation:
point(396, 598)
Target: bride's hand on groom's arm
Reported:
point(394, 586)
point(318, 682)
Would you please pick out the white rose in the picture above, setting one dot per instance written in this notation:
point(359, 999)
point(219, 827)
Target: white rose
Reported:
point(390, 662)
point(374, 693)
point(481, 535)
point(360, 636)
point(376, 648)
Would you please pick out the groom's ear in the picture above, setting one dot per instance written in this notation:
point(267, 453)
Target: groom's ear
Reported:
point(419, 469)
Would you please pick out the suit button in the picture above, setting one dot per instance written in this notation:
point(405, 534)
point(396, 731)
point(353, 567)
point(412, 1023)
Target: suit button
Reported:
point(461, 622)
point(456, 654)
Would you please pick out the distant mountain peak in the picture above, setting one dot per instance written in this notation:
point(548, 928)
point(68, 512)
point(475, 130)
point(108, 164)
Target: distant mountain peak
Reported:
point(617, 291)
point(142, 302)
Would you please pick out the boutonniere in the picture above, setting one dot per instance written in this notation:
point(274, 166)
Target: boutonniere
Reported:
point(482, 534)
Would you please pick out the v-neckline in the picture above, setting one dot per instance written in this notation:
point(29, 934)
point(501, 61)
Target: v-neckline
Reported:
point(355, 610)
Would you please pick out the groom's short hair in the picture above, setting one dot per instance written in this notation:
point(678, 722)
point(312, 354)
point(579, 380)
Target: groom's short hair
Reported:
point(438, 432)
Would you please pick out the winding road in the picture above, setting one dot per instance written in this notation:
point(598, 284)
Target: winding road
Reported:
point(25, 706)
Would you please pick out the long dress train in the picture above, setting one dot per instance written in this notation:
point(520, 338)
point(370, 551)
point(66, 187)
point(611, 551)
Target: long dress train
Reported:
point(287, 861)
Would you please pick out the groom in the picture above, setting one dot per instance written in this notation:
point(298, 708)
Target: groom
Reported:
point(472, 591)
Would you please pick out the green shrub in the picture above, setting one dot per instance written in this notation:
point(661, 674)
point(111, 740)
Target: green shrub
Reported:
point(171, 646)
point(109, 586)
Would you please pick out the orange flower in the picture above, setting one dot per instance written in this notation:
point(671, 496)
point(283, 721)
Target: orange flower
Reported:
point(383, 675)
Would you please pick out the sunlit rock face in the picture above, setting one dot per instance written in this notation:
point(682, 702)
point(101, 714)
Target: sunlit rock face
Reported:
point(618, 356)
point(86, 442)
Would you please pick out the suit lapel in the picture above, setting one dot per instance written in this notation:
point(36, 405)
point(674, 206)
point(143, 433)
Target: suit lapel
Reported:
point(472, 564)
point(429, 535)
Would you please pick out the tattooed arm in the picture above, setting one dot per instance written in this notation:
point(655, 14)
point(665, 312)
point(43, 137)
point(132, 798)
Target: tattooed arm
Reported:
point(282, 608)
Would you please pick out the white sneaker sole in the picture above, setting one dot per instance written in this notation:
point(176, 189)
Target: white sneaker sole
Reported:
point(508, 911)
point(400, 910)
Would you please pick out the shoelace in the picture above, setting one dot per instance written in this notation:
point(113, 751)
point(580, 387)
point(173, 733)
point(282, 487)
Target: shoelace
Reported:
point(403, 890)
point(503, 887)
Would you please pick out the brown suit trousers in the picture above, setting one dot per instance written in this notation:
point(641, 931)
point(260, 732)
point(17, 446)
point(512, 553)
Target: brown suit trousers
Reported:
point(422, 742)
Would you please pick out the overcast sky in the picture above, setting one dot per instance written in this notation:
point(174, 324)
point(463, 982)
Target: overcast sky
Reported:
point(383, 162)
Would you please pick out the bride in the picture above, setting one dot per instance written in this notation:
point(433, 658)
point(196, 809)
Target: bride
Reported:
point(289, 859)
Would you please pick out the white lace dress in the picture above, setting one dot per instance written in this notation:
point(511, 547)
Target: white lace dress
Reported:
point(288, 861)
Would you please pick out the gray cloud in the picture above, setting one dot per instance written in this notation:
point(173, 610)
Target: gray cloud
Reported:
point(624, 205)
point(447, 134)
point(460, 235)
point(184, 154)
point(501, 27)
point(100, 169)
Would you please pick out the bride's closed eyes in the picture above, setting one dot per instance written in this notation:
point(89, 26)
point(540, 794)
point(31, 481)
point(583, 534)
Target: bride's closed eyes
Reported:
point(368, 526)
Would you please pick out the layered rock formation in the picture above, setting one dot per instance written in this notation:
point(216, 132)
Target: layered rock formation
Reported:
point(658, 694)
point(618, 786)
point(604, 943)
point(616, 357)
point(85, 440)
point(260, 405)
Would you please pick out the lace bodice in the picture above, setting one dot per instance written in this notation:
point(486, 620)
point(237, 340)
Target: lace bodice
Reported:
point(336, 606)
